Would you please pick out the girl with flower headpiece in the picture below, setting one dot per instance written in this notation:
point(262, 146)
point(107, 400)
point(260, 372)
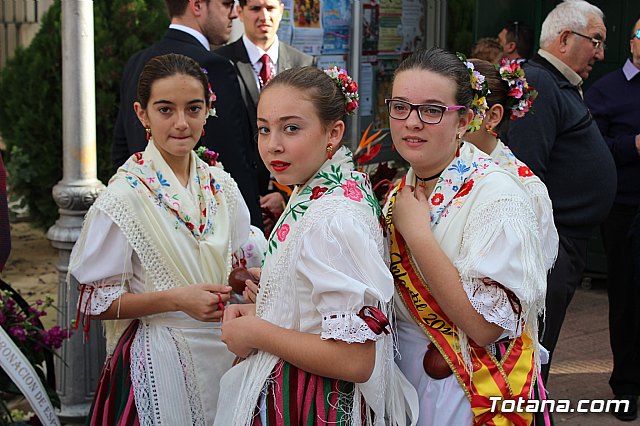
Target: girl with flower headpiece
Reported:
point(316, 347)
point(154, 248)
point(465, 255)
point(510, 98)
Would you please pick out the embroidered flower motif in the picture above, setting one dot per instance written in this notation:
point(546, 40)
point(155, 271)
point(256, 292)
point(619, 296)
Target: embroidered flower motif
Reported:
point(138, 158)
point(465, 189)
point(318, 192)
point(189, 225)
point(282, 232)
point(161, 179)
point(524, 171)
point(437, 199)
point(351, 190)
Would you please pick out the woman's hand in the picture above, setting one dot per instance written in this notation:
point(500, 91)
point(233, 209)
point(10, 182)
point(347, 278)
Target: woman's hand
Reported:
point(201, 301)
point(411, 213)
point(251, 290)
point(239, 325)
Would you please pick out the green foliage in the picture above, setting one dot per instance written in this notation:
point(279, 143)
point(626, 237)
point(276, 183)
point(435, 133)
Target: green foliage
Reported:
point(31, 96)
point(460, 25)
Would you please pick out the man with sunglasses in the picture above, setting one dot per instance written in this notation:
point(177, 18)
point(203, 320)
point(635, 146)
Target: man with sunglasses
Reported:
point(613, 101)
point(562, 145)
point(195, 25)
point(516, 39)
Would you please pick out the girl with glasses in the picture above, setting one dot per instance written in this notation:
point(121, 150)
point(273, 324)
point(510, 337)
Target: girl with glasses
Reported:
point(465, 255)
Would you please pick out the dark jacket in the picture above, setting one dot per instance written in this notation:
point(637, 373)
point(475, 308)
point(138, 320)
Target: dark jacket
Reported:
point(614, 103)
point(288, 57)
point(228, 134)
point(561, 143)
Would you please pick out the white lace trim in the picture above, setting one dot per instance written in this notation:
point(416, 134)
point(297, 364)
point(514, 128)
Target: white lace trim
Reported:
point(492, 303)
point(346, 326)
point(143, 379)
point(101, 297)
point(189, 374)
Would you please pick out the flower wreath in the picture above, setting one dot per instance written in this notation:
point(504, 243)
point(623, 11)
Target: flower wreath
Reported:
point(480, 89)
point(348, 86)
point(521, 95)
point(212, 97)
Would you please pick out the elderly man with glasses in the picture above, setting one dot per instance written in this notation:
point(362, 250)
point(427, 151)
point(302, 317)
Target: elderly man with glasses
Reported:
point(613, 101)
point(195, 25)
point(563, 146)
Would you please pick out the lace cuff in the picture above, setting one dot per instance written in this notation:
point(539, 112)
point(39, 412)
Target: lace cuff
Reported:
point(494, 304)
point(95, 299)
point(346, 326)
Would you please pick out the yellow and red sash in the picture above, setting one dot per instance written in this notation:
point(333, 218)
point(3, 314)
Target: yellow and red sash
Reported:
point(511, 377)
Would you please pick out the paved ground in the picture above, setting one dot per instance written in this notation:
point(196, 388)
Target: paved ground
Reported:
point(582, 363)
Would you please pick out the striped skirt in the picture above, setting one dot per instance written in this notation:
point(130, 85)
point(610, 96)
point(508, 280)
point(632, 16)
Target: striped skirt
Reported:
point(113, 402)
point(296, 397)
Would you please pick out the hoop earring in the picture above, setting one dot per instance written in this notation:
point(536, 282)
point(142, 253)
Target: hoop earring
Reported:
point(491, 132)
point(203, 132)
point(458, 138)
point(148, 130)
point(329, 151)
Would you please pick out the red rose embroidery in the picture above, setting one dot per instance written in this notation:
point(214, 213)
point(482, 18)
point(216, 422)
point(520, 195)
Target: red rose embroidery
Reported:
point(437, 199)
point(318, 192)
point(201, 228)
point(524, 171)
point(138, 158)
point(189, 225)
point(282, 232)
point(465, 189)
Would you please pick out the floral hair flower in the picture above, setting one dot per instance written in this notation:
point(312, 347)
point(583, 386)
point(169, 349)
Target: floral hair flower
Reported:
point(521, 95)
point(212, 97)
point(348, 87)
point(208, 156)
point(480, 89)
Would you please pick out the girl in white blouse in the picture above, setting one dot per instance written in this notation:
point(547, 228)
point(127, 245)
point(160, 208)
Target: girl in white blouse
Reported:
point(316, 345)
point(153, 247)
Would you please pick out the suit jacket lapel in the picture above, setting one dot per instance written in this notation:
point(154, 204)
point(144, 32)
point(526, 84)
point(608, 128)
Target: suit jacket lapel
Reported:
point(248, 75)
point(284, 60)
point(245, 70)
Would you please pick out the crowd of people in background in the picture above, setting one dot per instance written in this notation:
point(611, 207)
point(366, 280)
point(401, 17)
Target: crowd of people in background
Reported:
point(415, 309)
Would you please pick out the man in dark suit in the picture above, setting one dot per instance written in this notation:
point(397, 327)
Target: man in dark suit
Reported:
point(195, 24)
point(258, 55)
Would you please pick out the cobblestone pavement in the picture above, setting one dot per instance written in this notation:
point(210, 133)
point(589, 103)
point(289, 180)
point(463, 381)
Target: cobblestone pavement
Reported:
point(582, 362)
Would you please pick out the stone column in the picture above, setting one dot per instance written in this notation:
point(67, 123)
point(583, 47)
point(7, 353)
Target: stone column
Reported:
point(78, 371)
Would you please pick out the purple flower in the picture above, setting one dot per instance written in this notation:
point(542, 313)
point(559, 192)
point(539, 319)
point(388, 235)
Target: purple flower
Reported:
point(56, 335)
point(18, 332)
